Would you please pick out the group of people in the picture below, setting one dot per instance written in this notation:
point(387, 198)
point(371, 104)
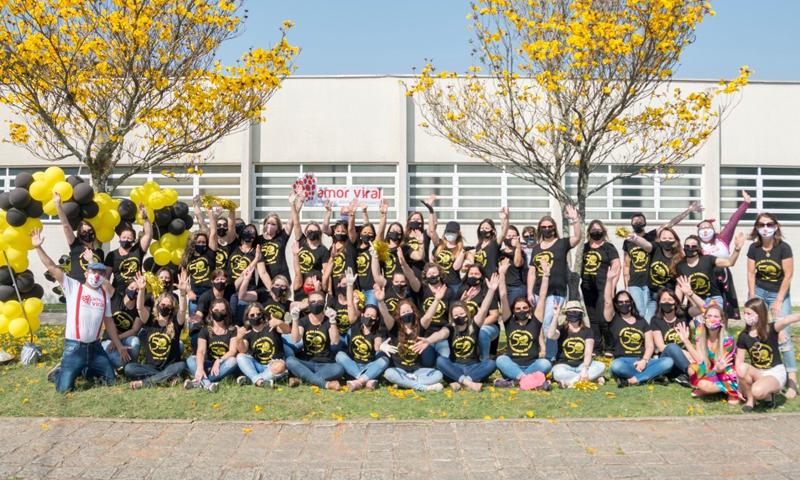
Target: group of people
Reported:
point(416, 306)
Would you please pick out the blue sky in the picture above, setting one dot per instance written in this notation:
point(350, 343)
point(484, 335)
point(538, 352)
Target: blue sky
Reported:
point(343, 37)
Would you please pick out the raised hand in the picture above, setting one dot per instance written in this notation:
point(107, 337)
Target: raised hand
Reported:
point(350, 276)
point(384, 209)
point(56, 199)
point(684, 285)
point(494, 282)
point(544, 266)
point(739, 240)
point(503, 266)
point(683, 332)
point(328, 206)
point(696, 207)
point(504, 213)
point(439, 291)
point(141, 282)
point(379, 292)
point(183, 282)
point(745, 196)
point(36, 237)
point(571, 213)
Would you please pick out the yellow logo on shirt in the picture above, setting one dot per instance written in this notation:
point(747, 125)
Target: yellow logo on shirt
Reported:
point(158, 344)
point(574, 348)
point(701, 285)
point(631, 339)
point(444, 258)
point(263, 350)
point(360, 348)
point(591, 262)
point(314, 342)
point(659, 273)
point(464, 347)
point(520, 342)
point(761, 355)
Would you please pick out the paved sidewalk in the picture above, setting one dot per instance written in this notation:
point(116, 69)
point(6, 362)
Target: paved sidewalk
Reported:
point(762, 446)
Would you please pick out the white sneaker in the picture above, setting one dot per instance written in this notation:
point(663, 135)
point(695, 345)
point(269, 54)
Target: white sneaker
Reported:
point(212, 387)
point(242, 380)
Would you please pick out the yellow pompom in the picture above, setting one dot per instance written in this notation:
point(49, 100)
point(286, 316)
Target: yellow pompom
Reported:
point(382, 249)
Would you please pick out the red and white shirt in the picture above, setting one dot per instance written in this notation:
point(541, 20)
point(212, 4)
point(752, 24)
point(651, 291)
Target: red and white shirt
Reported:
point(86, 308)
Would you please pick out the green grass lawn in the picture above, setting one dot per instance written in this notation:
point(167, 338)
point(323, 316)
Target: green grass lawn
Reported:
point(26, 392)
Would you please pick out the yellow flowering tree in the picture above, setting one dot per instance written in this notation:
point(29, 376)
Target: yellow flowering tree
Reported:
point(130, 83)
point(565, 86)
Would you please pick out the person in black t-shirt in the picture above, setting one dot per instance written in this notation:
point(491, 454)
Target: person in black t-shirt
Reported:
point(126, 261)
point(633, 341)
point(199, 259)
point(273, 242)
point(660, 273)
point(554, 250)
point(361, 360)
point(575, 345)
point(313, 254)
point(449, 251)
point(487, 251)
point(418, 239)
point(432, 283)
point(765, 375)
point(404, 283)
point(217, 346)
point(670, 322)
point(472, 292)
point(83, 245)
point(220, 289)
point(314, 363)
point(511, 249)
point(129, 320)
point(599, 255)
point(635, 263)
point(359, 253)
point(161, 337)
point(334, 268)
point(261, 358)
point(700, 269)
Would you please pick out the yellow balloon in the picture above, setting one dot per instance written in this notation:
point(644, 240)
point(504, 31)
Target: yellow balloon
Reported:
point(54, 175)
point(33, 323)
point(153, 247)
point(33, 307)
point(41, 191)
point(18, 327)
point(38, 176)
point(115, 218)
point(50, 208)
point(155, 200)
point(12, 309)
point(162, 256)
point(176, 256)
point(64, 190)
point(105, 234)
point(171, 195)
point(22, 240)
point(169, 241)
point(4, 321)
point(137, 195)
point(18, 259)
point(3, 222)
point(150, 187)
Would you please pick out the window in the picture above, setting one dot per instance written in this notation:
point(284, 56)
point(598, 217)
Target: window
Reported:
point(472, 192)
point(774, 190)
point(273, 183)
point(660, 196)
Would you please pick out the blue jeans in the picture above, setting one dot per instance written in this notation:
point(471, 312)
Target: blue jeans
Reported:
point(150, 375)
point(290, 348)
point(89, 359)
point(622, 367)
point(134, 345)
point(513, 370)
point(512, 293)
point(680, 364)
point(550, 346)
point(418, 380)
point(255, 370)
point(362, 371)
point(564, 373)
point(227, 367)
point(787, 347)
point(440, 349)
point(486, 336)
point(369, 297)
point(641, 298)
point(458, 372)
point(651, 305)
point(315, 373)
point(237, 309)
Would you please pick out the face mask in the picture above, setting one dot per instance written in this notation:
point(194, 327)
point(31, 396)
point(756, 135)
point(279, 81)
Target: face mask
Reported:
point(201, 249)
point(313, 235)
point(706, 234)
point(394, 236)
point(668, 244)
point(367, 238)
point(222, 232)
point(166, 285)
point(690, 251)
point(460, 321)
point(257, 320)
point(340, 237)
point(308, 289)
point(713, 324)
point(750, 319)
point(473, 281)
point(87, 237)
point(415, 225)
point(341, 290)
point(368, 322)
point(508, 243)
point(574, 316)
point(165, 311)
point(271, 229)
point(766, 232)
point(239, 228)
point(248, 236)
point(596, 234)
point(451, 237)
point(316, 307)
point(487, 234)
point(218, 316)
point(522, 316)
point(433, 280)
point(638, 227)
point(95, 280)
point(131, 293)
point(278, 291)
point(530, 242)
point(126, 244)
point(218, 285)
point(624, 308)
point(407, 318)
point(400, 290)
point(667, 307)
point(547, 232)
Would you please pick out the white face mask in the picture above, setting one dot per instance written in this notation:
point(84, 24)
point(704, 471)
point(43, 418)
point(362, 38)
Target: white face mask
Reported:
point(450, 237)
point(95, 280)
point(706, 234)
point(766, 232)
point(750, 319)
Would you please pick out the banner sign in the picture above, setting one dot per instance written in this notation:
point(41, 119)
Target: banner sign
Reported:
point(339, 195)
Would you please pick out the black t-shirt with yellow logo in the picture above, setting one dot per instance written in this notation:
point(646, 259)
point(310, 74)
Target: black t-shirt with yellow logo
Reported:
point(763, 355)
point(474, 303)
point(556, 256)
point(487, 256)
point(572, 345)
point(222, 254)
point(200, 268)
point(658, 273)
point(342, 317)
point(701, 276)
point(360, 345)
point(273, 254)
point(123, 316)
point(640, 260)
point(316, 341)
point(629, 339)
point(312, 258)
point(413, 245)
point(463, 344)
point(393, 297)
point(596, 262)
point(361, 262)
point(439, 319)
point(272, 308)
point(445, 258)
point(216, 345)
point(125, 267)
point(405, 358)
point(161, 349)
point(769, 266)
point(392, 264)
point(77, 262)
point(522, 340)
point(265, 345)
point(669, 330)
point(238, 261)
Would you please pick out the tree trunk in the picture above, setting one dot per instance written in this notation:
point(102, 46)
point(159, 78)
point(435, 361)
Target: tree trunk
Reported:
point(577, 251)
point(99, 176)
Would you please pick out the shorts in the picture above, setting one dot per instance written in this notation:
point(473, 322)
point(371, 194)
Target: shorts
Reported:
point(778, 372)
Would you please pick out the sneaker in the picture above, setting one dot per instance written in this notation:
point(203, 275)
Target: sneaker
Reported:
point(661, 380)
point(503, 383)
point(436, 387)
point(696, 394)
point(51, 375)
point(372, 384)
point(747, 409)
point(622, 382)
point(532, 381)
point(242, 380)
point(189, 384)
point(212, 387)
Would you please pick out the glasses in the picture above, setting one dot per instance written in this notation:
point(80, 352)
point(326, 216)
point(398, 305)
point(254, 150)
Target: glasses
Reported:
point(623, 302)
point(258, 315)
point(765, 225)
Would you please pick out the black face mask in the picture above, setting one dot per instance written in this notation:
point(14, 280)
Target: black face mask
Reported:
point(415, 225)
point(87, 237)
point(340, 237)
point(394, 236)
point(487, 234)
point(278, 291)
point(574, 317)
point(313, 235)
point(596, 234)
point(460, 321)
point(201, 249)
point(368, 322)
point(522, 316)
point(218, 316)
point(316, 307)
point(166, 285)
point(530, 242)
point(624, 308)
point(473, 281)
point(248, 236)
point(222, 232)
point(218, 285)
point(408, 318)
point(547, 232)
point(341, 290)
point(433, 280)
point(131, 293)
point(668, 245)
point(667, 307)
point(239, 228)
point(400, 290)
point(508, 243)
point(367, 238)
point(690, 251)
point(638, 227)
point(256, 321)
point(165, 311)
point(126, 244)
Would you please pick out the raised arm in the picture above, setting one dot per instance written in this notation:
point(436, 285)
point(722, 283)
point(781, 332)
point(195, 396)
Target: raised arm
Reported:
point(352, 311)
point(198, 214)
point(576, 235)
point(183, 305)
point(295, 216)
point(737, 248)
point(505, 309)
point(326, 220)
point(493, 284)
point(501, 235)
point(693, 207)
point(640, 242)
point(351, 223)
point(213, 240)
point(147, 230)
point(411, 276)
point(432, 218)
point(243, 284)
point(69, 235)
point(540, 305)
point(439, 292)
point(141, 309)
point(608, 294)
point(36, 240)
point(726, 234)
point(375, 266)
point(384, 210)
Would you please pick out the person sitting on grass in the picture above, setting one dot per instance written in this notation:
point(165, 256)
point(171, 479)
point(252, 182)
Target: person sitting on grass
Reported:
point(162, 350)
point(575, 346)
point(765, 375)
point(314, 362)
point(261, 357)
point(633, 341)
point(217, 346)
point(88, 308)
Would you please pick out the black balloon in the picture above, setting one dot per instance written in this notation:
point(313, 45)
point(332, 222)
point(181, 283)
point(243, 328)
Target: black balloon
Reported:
point(180, 209)
point(127, 210)
point(71, 209)
point(188, 221)
point(74, 180)
point(176, 227)
point(83, 193)
point(149, 265)
point(90, 210)
point(123, 225)
point(5, 276)
point(5, 202)
point(16, 217)
point(34, 209)
point(36, 292)
point(157, 233)
point(23, 180)
point(7, 293)
point(25, 281)
point(163, 217)
point(19, 198)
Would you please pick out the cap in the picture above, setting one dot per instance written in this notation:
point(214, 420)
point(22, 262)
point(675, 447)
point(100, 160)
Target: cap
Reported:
point(97, 266)
point(452, 226)
point(573, 305)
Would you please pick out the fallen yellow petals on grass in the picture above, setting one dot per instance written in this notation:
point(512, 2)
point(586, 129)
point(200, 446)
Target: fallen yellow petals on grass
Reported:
point(487, 417)
point(611, 395)
point(573, 405)
point(315, 389)
point(258, 408)
point(247, 430)
point(215, 405)
point(375, 415)
point(586, 386)
point(530, 414)
point(45, 426)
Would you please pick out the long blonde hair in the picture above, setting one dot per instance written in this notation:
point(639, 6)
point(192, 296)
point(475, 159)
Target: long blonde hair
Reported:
point(170, 324)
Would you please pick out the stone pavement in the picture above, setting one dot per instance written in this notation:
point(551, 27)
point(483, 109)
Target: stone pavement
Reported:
point(756, 446)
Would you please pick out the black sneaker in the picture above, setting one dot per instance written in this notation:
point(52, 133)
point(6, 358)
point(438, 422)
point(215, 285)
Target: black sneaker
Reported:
point(242, 380)
point(622, 382)
point(51, 375)
point(503, 383)
point(661, 380)
point(683, 380)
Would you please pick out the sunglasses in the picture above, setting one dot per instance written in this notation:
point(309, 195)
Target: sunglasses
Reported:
point(765, 225)
point(623, 302)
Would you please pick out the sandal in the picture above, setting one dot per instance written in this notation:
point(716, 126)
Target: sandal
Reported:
point(136, 384)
